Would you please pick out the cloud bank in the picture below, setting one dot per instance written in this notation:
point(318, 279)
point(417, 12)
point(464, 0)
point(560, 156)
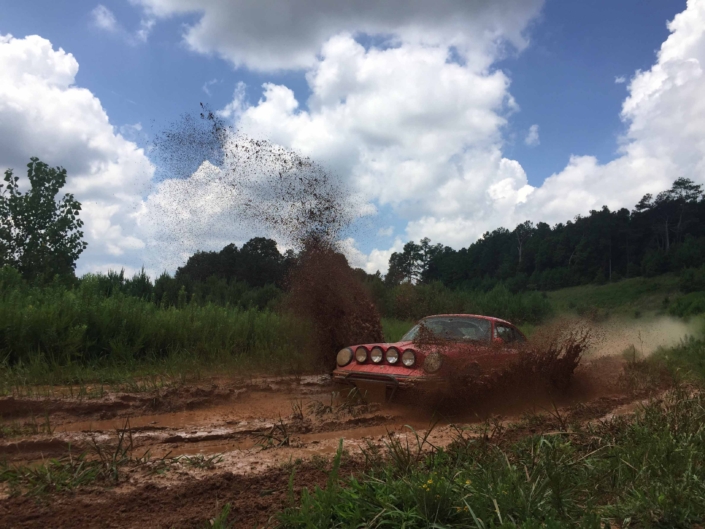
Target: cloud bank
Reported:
point(404, 104)
point(280, 34)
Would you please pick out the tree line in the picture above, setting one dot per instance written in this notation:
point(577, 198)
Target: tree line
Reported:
point(41, 237)
point(665, 233)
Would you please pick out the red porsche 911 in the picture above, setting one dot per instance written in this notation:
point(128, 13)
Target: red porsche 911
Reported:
point(438, 348)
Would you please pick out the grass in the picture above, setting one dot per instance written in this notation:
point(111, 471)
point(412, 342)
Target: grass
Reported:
point(103, 464)
point(687, 358)
point(412, 302)
point(221, 519)
point(59, 327)
point(78, 338)
point(642, 471)
point(629, 296)
point(79, 343)
point(26, 428)
point(394, 329)
point(688, 305)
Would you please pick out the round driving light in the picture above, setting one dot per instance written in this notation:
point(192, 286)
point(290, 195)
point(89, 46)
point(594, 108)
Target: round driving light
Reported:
point(376, 355)
point(433, 362)
point(361, 354)
point(408, 358)
point(392, 355)
point(344, 357)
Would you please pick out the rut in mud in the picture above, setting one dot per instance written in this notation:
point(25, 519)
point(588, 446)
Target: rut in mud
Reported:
point(194, 448)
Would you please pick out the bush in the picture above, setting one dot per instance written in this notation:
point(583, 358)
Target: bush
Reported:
point(688, 305)
point(654, 263)
point(692, 280)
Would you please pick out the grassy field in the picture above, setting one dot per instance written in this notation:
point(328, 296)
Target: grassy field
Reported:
point(627, 297)
point(57, 336)
point(394, 329)
point(641, 470)
point(646, 470)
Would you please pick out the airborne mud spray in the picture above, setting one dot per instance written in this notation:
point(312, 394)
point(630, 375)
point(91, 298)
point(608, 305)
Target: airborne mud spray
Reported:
point(297, 202)
point(480, 378)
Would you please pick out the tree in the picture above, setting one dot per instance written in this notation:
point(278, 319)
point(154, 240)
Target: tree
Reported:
point(670, 210)
point(261, 263)
point(257, 263)
point(40, 235)
point(412, 264)
point(523, 232)
point(403, 265)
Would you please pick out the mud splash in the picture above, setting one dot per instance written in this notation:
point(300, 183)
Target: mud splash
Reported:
point(300, 204)
point(473, 373)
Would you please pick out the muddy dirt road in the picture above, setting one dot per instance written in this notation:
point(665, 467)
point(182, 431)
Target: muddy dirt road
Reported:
point(193, 448)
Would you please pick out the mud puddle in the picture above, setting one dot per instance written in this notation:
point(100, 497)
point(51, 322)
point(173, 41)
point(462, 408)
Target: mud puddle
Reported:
point(241, 438)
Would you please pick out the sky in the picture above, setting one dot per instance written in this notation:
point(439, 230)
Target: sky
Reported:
point(446, 118)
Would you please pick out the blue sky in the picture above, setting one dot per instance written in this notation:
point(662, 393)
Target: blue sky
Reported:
point(562, 81)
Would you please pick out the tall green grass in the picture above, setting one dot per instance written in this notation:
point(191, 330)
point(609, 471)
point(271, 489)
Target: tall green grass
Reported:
point(55, 328)
point(642, 471)
point(688, 357)
point(394, 329)
point(412, 302)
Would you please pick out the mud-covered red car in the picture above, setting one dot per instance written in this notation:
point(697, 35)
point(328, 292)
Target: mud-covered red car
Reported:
point(437, 349)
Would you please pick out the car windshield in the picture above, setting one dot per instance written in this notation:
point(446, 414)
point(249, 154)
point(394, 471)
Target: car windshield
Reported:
point(454, 329)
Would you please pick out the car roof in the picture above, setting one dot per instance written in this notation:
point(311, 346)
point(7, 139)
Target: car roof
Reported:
point(489, 318)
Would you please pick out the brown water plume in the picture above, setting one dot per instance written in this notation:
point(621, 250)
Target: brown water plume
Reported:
point(292, 199)
point(477, 374)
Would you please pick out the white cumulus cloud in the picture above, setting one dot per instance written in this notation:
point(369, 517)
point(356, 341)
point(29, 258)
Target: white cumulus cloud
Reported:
point(280, 34)
point(408, 125)
point(665, 138)
point(532, 137)
point(409, 128)
point(424, 134)
point(104, 19)
point(43, 114)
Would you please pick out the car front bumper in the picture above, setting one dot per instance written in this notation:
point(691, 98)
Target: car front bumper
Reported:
point(390, 380)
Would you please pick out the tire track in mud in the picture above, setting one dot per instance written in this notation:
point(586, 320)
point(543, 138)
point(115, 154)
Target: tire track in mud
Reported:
point(302, 417)
point(254, 481)
point(251, 477)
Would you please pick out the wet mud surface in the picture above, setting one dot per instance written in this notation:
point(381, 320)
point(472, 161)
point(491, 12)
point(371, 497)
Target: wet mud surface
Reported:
point(254, 433)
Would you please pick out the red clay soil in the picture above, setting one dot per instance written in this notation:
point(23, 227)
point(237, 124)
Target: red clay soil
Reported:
point(229, 418)
point(254, 500)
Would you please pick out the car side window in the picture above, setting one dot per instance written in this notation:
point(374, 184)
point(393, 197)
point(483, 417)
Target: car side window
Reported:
point(505, 333)
point(518, 337)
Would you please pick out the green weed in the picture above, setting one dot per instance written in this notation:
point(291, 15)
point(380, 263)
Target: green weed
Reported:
point(275, 437)
point(201, 461)
point(54, 335)
point(643, 471)
point(221, 520)
point(26, 428)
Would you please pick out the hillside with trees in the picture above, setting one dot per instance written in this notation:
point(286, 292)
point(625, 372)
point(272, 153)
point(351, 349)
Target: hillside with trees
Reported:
point(665, 233)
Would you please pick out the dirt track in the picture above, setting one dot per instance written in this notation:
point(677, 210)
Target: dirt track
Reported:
point(259, 430)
